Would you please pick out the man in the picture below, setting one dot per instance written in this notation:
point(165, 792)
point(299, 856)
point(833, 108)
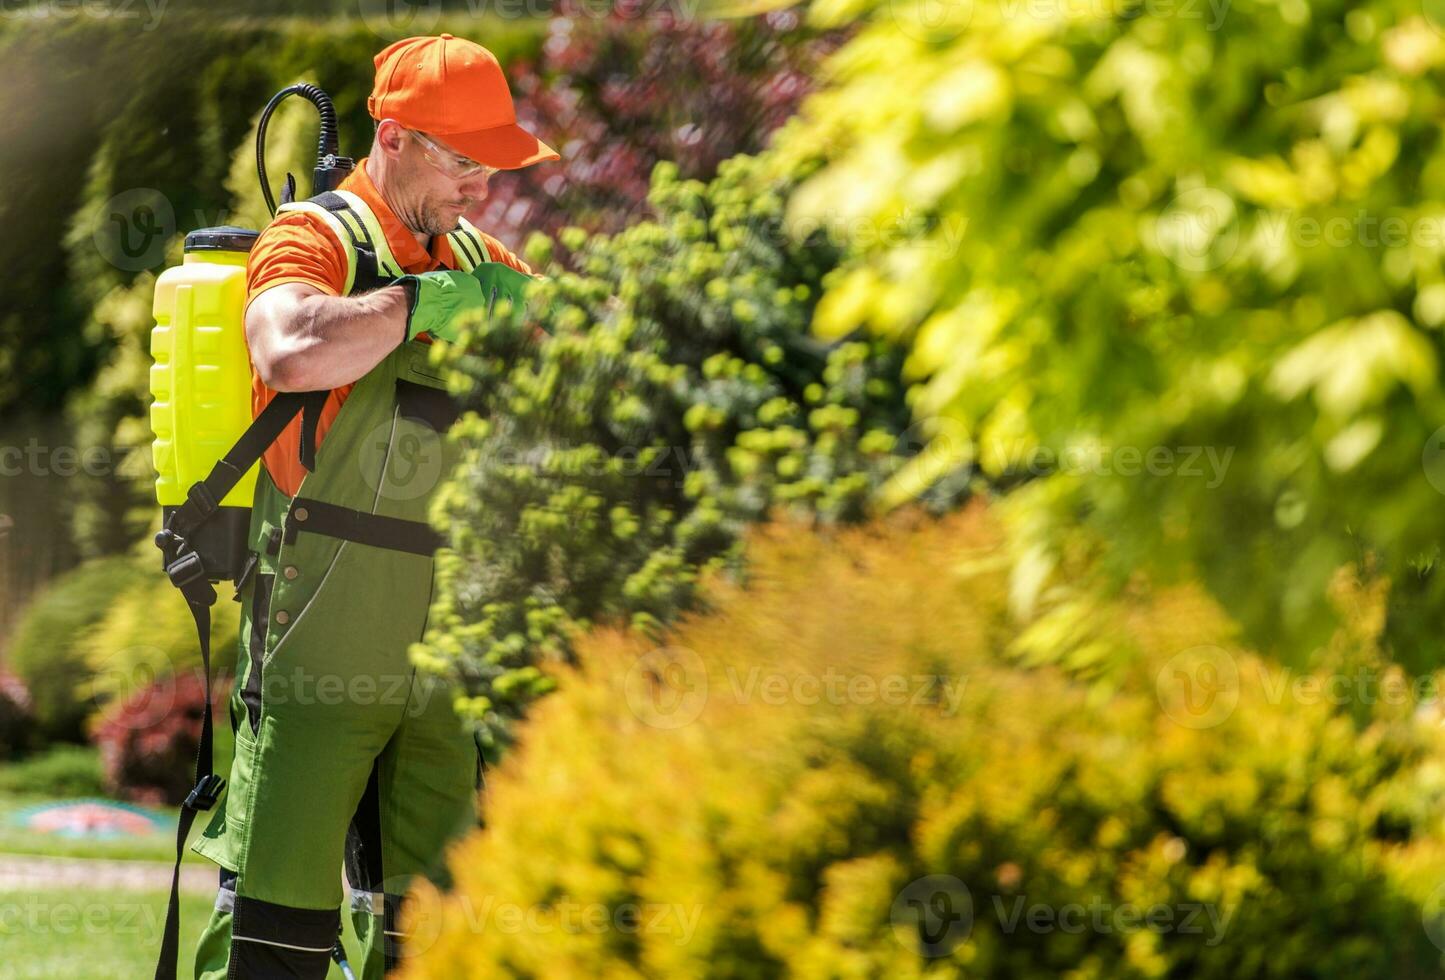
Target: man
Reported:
point(344, 756)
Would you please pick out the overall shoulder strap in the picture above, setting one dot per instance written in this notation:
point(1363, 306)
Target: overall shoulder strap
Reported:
point(370, 263)
point(468, 246)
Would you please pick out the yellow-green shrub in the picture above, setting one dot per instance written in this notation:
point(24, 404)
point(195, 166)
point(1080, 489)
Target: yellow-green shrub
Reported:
point(771, 836)
point(147, 634)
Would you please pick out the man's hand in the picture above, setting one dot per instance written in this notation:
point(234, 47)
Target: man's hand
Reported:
point(438, 298)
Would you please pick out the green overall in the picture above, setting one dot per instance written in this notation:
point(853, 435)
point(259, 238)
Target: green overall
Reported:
point(345, 755)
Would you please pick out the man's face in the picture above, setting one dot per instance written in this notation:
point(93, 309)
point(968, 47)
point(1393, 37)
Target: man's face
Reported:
point(435, 186)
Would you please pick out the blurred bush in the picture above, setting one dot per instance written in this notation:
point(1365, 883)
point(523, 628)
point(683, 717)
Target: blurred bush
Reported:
point(148, 741)
point(1185, 266)
point(59, 771)
point(147, 633)
point(620, 89)
point(17, 725)
point(770, 792)
point(679, 398)
point(101, 632)
point(46, 651)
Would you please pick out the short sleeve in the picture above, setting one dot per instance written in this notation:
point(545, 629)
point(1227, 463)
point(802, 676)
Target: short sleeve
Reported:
point(297, 247)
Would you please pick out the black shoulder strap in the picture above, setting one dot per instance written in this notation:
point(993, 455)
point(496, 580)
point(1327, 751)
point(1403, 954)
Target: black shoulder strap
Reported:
point(188, 573)
point(368, 273)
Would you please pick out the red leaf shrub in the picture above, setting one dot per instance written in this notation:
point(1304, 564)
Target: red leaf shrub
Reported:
point(616, 92)
point(148, 741)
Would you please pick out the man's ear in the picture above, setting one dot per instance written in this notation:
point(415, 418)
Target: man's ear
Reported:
point(390, 138)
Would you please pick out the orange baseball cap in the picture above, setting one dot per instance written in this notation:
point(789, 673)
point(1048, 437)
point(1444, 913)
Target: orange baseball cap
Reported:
point(453, 89)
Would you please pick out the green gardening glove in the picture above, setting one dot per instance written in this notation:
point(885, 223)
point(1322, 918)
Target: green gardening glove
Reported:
point(438, 299)
point(500, 282)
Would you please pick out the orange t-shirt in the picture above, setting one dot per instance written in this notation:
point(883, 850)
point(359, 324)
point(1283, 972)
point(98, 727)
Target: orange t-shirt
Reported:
point(301, 247)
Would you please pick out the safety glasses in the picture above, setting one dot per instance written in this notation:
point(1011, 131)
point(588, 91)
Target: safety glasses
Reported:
point(449, 163)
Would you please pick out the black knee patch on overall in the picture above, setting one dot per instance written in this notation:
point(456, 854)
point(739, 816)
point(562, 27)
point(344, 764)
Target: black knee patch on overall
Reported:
point(276, 942)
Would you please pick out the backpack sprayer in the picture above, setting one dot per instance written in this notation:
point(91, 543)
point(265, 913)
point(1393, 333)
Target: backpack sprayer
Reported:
point(207, 446)
point(201, 378)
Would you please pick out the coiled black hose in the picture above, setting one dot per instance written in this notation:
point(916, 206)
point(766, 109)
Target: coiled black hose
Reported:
point(328, 161)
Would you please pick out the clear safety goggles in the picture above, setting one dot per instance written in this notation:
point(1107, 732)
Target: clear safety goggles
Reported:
point(445, 161)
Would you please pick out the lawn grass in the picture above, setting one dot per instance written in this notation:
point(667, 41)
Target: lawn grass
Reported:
point(80, 934)
point(60, 934)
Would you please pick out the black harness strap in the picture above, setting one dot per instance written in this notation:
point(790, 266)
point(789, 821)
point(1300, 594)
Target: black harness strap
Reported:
point(187, 572)
point(376, 530)
point(368, 270)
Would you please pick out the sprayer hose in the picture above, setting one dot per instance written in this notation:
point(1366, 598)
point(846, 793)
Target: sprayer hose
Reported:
point(326, 143)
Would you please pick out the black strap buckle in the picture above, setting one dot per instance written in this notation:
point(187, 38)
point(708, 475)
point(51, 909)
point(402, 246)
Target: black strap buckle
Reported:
point(199, 495)
point(187, 568)
point(207, 791)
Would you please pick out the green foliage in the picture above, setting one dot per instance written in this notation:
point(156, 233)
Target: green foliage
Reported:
point(678, 399)
point(46, 652)
point(104, 630)
point(147, 634)
point(1110, 236)
point(60, 771)
point(763, 796)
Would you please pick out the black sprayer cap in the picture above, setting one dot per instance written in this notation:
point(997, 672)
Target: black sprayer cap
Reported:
point(226, 238)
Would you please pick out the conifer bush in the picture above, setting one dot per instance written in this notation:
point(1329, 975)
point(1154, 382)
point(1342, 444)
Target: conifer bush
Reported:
point(678, 399)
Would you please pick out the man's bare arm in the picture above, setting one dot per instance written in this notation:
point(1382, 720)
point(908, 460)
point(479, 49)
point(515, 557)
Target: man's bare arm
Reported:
point(302, 339)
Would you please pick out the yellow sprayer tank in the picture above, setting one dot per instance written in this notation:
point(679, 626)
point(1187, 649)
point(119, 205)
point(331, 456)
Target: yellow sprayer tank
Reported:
point(201, 384)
